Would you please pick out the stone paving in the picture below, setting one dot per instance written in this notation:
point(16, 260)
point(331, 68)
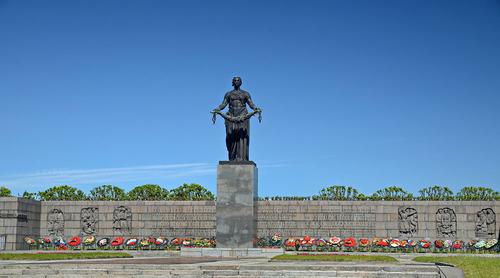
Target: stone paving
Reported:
point(204, 267)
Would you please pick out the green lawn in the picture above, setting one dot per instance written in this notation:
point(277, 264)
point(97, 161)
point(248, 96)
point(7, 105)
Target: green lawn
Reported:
point(334, 257)
point(63, 256)
point(473, 267)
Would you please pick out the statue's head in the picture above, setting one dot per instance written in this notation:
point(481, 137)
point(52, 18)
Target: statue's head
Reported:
point(237, 82)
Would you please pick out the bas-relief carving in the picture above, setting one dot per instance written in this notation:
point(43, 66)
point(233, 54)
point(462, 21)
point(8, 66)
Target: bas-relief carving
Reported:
point(55, 222)
point(485, 223)
point(122, 220)
point(408, 221)
point(446, 223)
point(89, 219)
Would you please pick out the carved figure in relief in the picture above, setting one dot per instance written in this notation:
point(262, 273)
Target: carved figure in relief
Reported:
point(446, 222)
point(485, 223)
point(122, 220)
point(55, 222)
point(89, 218)
point(408, 221)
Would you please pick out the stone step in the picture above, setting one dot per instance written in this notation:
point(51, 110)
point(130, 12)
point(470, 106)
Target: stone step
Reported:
point(230, 273)
point(340, 267)
point(263, 269)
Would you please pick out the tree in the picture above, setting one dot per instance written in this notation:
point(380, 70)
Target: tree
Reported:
point(29, 195)
point(392, 193)
point(436, 193)
point(337, 192)
point(107, 193)
point(148, 192)
point(62, 193)
point(190, 192)
point(476, 193)
point(5, 192)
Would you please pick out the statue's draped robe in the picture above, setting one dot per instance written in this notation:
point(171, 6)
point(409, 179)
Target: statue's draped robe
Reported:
point(237, 132)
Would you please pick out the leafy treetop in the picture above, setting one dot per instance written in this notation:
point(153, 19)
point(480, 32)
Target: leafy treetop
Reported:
point(5, 192)
point(190, 192)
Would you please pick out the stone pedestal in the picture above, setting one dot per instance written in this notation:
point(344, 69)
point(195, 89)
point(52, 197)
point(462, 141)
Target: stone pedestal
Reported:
point(236, 207)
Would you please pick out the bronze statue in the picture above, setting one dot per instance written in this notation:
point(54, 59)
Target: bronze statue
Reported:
point(237, 120)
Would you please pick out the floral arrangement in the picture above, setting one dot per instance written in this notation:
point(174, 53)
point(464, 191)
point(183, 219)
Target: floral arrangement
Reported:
point(103, 242)
point(187, 242)
point(404, 243)
point(364, 242)
point(394, 243)
point(161, 241)
point(335, 241)
point(490, 243)
point(276, 240)
point(380, 242)
point(350, 242)
point(117, 241)
point(458, 244)
point(144, 242)
point(176, 242)
point(412, 243)
point(480, 244)
point(321, 244)
point(471, 243)
point(204, 242)
point(131, 242)
point(307, 243)
point(30, 241)
point(74, 241)
point(89, 240)
point(423, 243)
point(438, 243)
point(448, 243)
point(290, 243)
point(60, 244)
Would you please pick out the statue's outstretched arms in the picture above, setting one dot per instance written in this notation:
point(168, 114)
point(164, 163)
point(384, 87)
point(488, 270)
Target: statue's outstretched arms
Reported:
point(250, 102)
point(224, 103)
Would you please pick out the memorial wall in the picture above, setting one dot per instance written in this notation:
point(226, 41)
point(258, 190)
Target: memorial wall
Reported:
point(398, 219)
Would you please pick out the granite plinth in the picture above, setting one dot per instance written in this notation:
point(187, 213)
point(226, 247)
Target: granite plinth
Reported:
point(236, 206)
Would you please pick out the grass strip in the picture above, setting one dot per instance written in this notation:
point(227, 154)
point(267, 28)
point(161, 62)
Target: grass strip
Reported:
point(473, 267)
point(334, 258)
point(63, 256)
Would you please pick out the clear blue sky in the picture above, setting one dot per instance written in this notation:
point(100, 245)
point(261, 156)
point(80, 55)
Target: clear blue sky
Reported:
point(361, 93)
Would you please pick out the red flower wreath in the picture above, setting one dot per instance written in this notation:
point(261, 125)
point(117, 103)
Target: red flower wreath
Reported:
point(350, 242)
point(117, 241)
point(74, 241)
point(439, 243)
point(364, 242)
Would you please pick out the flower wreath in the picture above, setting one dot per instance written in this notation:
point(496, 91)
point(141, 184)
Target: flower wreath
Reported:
point(74, 241)
point(350, 242)
point(424, 243)
point(457, 244)
point(131, 242)
point(117, 241)
point(394, 243)
point(103, 242)
point(335, 241)
point(364, 242)
point(439, 243)
point(89, 240)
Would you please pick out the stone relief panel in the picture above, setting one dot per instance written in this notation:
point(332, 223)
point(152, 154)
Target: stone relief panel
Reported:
point(408, 221)
point(122, 220)
point(55, 222)
point(485, 223)
point(446, 223)
point(89, 219)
